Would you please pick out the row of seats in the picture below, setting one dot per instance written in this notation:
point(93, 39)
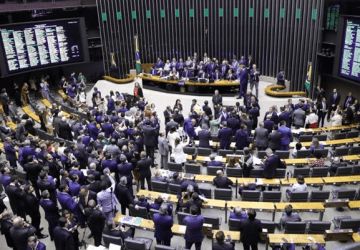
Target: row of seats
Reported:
point(323, 137)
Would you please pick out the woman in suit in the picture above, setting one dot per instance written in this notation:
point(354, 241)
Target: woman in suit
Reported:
point(163, 223)
point(138, 91)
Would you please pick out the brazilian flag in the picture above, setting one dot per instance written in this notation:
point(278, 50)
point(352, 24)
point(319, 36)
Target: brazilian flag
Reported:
point(137, 56)
point(308, 79)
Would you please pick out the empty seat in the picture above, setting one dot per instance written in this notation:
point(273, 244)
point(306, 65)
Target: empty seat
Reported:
point(223, 194)
point(305, 138)
point(161, 247)
point(234, 172)
point(140, 212)
point(234, 224)
point(319, 196)
point(337, 220)
point(321, 137)
point(239, 152)
point(347, 223)
point(190, 150)
point(256, 173)
point(250, 195)
point(159, 186)
point(214, 221)
point(305, 172)
point(280, 173)
point(343, 193)
point(341, 151)
point(181, 216)
point(320, 172)
point(352, 134)
point(339, 136)
point(355, 150)
point(261, 154)
point(269, 225)
point(204, 151)
point(319, 227)
point(343, 171)
point(112, 239)
point(298, 196)
point(206, 192)
point(295, 227)
point(271, 196)
point(138, 243)
point(174, 188)
point(303, 153)
point(176, 167)
point(223, 152)
point(192, 168)
point(282, 154)
point(324, 152)
point(212, 170)
point(356, 170)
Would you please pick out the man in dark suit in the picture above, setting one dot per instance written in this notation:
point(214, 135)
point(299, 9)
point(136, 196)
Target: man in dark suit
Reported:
point(221, 181)
point(163, 223)
point(254, 79)
point(86, 195)
point(334, 100)
point(281, 78)
point(270, 164)
point(250, 229)
point(220, 243)
point(349, 99)
point(92, 171)
point(5, 224)
point(167, 114)
point(285, 116)
point(20, 232)
point(260, 136)
point(274, 139)
point(144, 170)
point(10, 152)
point(171, 123)
point(63, 238)
point(268, 124)
point(51, 212)
point(233, 123)
point(94, 185)
point(322, 108)
point(242, 137)
point(16, 195)
point(216, 99)
point(32, 209)
point(123, 195)
point(224, 136)
point(204, 137)
point(194, 224)
point(33, 169)
point(179, 118)
point(150, 141)
point(206, 108)
point(112, 230)
point(19, 134)
point(65, 129)
point(255, 113)
point(34, 244)
point(243, 81)
point(216, 76)
point(95, 220)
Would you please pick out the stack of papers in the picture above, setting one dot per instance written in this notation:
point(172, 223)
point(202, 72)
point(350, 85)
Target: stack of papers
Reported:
point(257, 161)
point(182, 229)
point(137, 221)
point(127, 220)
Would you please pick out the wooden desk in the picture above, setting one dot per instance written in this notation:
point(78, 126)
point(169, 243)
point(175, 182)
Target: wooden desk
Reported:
point(308, 181)
point(266, 182)
point(356, 237)
point(234, 235)
point(173, 199)
point(314, 130)
point(30, 113)
point(302, 206)
point(341, 179)
point(259, 206)
point(299, 161)
point(340, 142)
point(351, 158)
point(354, 205)
point(202, 158)
point(223, 83)
point(299, 239)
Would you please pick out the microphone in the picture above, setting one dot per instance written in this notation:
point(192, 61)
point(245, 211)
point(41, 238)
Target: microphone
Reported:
point(287, 176)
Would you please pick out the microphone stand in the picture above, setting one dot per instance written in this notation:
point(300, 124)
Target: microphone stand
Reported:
point(112, 207)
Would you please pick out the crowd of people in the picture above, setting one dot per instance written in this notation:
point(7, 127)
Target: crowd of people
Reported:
point(116, 148)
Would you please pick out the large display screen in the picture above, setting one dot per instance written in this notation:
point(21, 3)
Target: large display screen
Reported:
point(29, 46)
point(350, 55)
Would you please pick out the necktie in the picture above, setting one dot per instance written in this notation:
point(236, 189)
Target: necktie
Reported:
point(223, 70)
point(347, 102)
point(324, 108)
point(86, 200)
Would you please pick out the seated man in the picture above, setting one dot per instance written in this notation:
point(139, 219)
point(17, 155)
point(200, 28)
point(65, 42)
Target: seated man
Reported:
point(334, 166)
point(112, 230)
point(158, 177)
point(176, 179)
point(220, 243)
point(221, 181)
point(142, 202)
point(194, 201)
point(246, 186)
point(237, 214)
point(213, 162)
point(289, 215)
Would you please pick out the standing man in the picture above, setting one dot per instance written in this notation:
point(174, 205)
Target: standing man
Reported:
point(322, 108)
point(224, 135)
point(286, 136)
point(150, 135)
point(167, 114)
point(254, 79)
point(10, 152)
point(51, 212)
point(270, 165)
point(261, 137)
point(63, 238)
point(4, 99)
point(16, 195)
point(163, 150)
point(96, 221)
point(20, 232)
point(194, 228)
point(281, 78)
point(107, 199)
point(250, 229)
point(243, 81)
point(123, 195)
point(216, 99)
point(334, 100)
point(163, 223)
point(144, 170)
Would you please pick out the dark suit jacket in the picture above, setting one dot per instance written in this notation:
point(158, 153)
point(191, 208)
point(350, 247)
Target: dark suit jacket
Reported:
point(32, 171)
point(95, 219)
point(242, 139)
point(204, 138)
point(271, 163)
point(224, 137)
point(92, 196)
point(163, 224)
point(274, 140)
point(223, 182)
point(333, 100)
point(216, 99)
point(144, 167)
point(123, 195)
point(63, 239)
point(223, 246)
point(51, 210)
point(250, 231)
point(207, 110)
point(32, 205)
point(95, 186)
point(16, 196)
point(21, 235)
point(150, 136)
point(269, 124)
point(65, 131)
point(5, 230)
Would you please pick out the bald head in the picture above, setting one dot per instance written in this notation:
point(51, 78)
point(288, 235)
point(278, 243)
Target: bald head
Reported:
point(18, 221)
